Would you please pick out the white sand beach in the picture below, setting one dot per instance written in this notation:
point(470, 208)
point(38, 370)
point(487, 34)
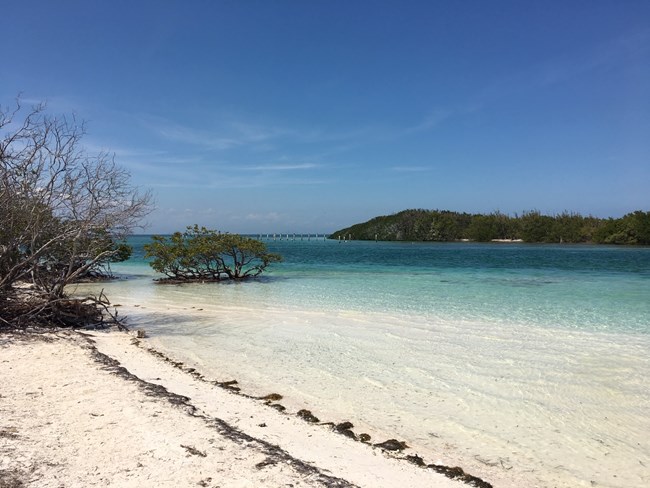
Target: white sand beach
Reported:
point(99, 409)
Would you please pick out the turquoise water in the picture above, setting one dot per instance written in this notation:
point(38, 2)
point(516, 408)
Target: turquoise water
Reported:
point(527, 365)
point(581, 287)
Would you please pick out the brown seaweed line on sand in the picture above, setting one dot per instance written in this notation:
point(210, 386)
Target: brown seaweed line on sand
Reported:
point(343, 428)
point(274, 453)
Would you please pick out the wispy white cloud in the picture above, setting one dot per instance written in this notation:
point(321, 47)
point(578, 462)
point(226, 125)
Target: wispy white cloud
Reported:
point(258, 133)
point(53, 104)
point(410, 169)
point(94, 146)
point(196, 137)
point(571, 64)
point(434, 119)
point(266, 217)
point(541, 74)
point(220, 180)
point(224, 135)
point(609, 53)
point(233, 133)
point(148, 161)
point(282, 167)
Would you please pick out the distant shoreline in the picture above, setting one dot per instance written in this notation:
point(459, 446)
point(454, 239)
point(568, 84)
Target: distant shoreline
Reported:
point(530, 227)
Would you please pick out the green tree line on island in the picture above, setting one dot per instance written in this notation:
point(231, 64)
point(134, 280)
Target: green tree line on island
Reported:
point(532, 226)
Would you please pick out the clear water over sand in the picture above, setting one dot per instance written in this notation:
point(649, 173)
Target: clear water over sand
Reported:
point(527, 363)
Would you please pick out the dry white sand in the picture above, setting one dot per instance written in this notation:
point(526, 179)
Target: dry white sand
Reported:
point(99, 410)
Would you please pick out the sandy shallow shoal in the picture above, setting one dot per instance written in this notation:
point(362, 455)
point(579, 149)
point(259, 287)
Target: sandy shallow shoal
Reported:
point(98, 410)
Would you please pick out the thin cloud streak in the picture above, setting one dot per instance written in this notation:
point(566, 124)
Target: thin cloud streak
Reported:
point(269, 217)
point(235, 134)
point(409, 169)
point(565, 68)
point(283, 167)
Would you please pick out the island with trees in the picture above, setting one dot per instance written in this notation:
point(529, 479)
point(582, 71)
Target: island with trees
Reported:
point(532, 226)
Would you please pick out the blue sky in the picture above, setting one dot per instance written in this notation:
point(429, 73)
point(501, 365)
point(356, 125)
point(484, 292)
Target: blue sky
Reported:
point(308, 116)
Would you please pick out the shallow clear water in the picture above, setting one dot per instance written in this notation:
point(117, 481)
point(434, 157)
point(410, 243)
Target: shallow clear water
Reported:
point(528, 364)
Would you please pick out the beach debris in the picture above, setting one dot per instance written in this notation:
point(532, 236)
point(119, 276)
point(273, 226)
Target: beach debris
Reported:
point(486, 462)
point(348, 433)
point(267, 462)
point(272, 397)
point(307, 416)
point(392, 445)
point(194, 451)
point(344, 428)
point(231, 385)
point(457, 473)
point(415, 459)
point(223, 428)
point(13, 478)
point(364, 437)
point(9, 433)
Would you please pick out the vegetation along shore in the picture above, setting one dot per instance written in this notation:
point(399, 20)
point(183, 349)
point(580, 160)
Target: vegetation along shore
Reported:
point(532, 226)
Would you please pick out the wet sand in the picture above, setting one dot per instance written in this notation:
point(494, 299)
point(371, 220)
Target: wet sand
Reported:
point(90, 409)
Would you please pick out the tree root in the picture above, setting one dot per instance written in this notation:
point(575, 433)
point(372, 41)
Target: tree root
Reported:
point(22, 308)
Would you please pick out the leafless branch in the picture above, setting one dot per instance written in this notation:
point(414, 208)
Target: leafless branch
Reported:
point(61, 208)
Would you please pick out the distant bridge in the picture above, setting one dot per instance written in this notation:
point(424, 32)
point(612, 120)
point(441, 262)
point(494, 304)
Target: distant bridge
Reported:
point(302, 237)
point(292, 237)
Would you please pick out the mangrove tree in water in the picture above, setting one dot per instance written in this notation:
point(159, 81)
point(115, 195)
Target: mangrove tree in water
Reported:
point(201, 254)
